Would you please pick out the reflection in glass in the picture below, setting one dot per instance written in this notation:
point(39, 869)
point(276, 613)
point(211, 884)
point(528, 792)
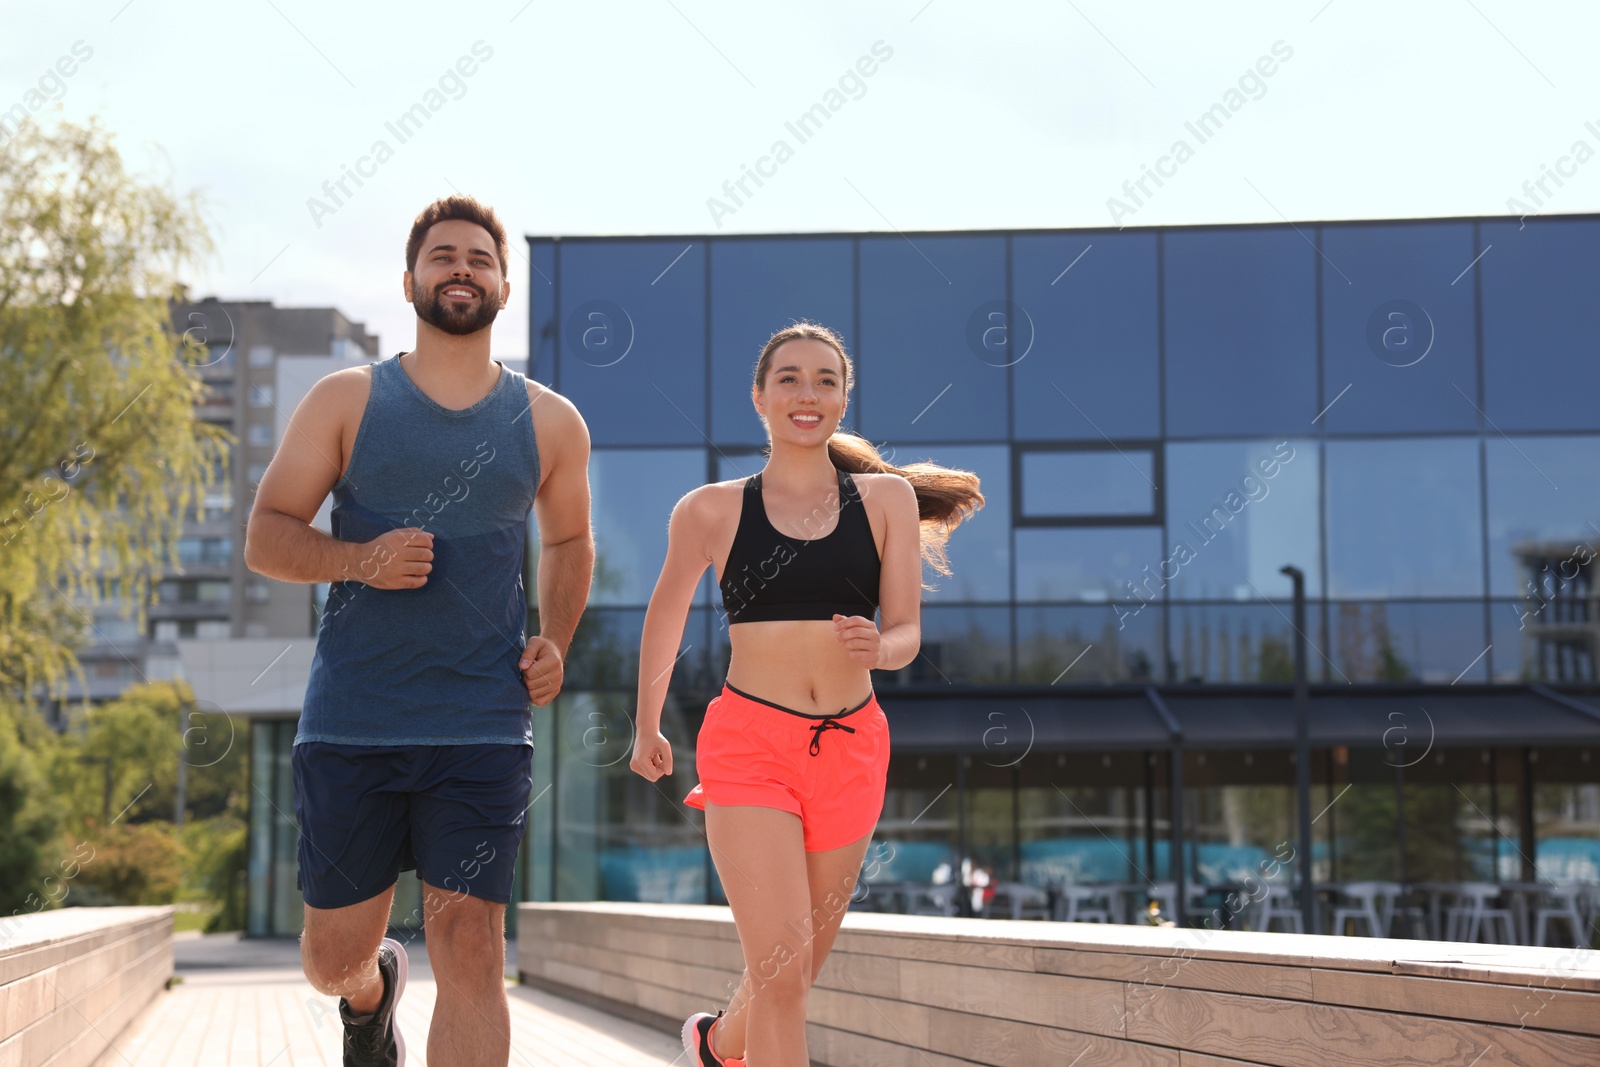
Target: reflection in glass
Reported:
point(1544, 512)
point(1237, 511)
point(1241, 332)
point(979, 551)
point(1540, 324)
point(620, 837)
point(633, 492)
point(1095, 564)
point(1403, 518)
point(757, 288)
point(921, 374)
point(918, 832)
point(605, 651)
point(1397, 641)
point(960, 645)
point(1396, 332)
point(1566, 806)
point(1092, 372)
point(1240, 643)
point(1100, 645)
point(542, 323)
point(1539, 640)
point(633, 339)
point(1088, 483)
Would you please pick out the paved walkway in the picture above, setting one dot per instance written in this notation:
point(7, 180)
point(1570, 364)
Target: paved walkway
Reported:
point(245, 1004)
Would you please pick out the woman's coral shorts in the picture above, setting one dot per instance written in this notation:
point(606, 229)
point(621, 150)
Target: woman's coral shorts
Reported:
point(830, 770)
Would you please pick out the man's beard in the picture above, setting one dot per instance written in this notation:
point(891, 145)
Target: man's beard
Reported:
point(444, 315)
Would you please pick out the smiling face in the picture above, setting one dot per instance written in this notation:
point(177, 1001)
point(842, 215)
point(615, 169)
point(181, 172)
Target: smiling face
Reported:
point(802, 396)
point(456, 284)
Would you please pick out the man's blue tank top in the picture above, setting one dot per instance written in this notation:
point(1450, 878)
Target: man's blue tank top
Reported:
point(435, 665)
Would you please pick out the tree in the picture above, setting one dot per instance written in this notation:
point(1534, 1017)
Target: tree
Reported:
point(100, 453)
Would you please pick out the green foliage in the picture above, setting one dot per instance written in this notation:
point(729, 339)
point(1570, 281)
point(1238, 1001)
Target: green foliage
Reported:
point(219, 853)
point(100, 453)
point(131, 863)
point(30, 824)
point(1274, 661)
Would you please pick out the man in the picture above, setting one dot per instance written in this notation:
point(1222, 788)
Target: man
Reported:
point(414, 745)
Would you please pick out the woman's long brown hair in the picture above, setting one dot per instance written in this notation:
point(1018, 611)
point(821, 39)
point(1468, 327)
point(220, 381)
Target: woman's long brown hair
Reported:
point(944, 496)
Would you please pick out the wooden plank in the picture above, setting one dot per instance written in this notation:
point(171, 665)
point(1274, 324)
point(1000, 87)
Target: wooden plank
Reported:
point(1286, 1033)
point(1005, 1043)
point(1001, 956)
point(1562, 973)
point(839, 1048)
point(1543, 1007)
point(1081, 1004)
point(1185, 970)
point(879, 1017)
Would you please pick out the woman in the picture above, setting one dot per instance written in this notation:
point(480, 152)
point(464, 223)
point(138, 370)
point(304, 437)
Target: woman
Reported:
point(794, 753)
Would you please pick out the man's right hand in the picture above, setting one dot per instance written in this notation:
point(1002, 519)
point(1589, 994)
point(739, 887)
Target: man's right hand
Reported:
point(399, 559)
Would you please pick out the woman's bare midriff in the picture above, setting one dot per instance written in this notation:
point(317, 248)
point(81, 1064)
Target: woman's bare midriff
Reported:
point(797, 663)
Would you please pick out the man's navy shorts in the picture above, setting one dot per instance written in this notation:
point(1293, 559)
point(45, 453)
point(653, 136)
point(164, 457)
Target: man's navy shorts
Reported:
point(453, 813)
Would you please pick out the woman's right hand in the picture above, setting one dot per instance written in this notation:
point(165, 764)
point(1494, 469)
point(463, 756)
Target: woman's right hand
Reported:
point(652, 756)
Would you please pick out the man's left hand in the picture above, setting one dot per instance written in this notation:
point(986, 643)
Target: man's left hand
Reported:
point(542, 670)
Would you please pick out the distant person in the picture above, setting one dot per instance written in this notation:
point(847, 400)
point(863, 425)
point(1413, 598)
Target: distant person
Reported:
point(794, 753)
point(414, 746)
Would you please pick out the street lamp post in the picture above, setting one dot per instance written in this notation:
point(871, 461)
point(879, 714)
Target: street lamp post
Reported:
point(1302, 747)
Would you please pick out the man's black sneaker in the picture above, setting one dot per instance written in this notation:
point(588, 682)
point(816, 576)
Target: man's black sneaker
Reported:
point(377, 1042)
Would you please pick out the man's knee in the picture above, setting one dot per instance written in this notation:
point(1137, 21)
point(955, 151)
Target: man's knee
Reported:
point(467, 938)
point(334, 970)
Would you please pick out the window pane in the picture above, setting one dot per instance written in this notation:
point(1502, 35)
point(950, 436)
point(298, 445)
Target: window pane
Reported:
point(1097, 564)
point(960, 645)
point(619, 836)
point(1396, 331)
point(542, 324)
point(1241, 332)
point(605, 651)
point(1243, 642)
point(732, 465)
point(1541, 324)
point(1088, 483)
point(633, 493)
point(1089, 645)
point(1403, 518)
point(1237, 511)
point(917, 834)
point(633, 339)
point(1544, 499)
point(1090, 306)
point(922, 375)
point(757, 288)
point(1548, 640)
point(980, 549)
point(1395, 641)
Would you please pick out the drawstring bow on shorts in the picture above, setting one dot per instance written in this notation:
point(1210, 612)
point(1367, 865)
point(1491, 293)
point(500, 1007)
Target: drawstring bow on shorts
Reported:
point(829, 722)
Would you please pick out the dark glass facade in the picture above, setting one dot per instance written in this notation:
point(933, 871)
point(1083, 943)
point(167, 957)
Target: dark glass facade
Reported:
point(1162, 420)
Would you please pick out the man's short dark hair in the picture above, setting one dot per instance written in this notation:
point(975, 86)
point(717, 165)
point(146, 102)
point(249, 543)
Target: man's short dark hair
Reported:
point(466, 208)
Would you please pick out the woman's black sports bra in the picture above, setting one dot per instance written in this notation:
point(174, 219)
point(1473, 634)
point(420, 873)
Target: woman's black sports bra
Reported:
point(770, 576)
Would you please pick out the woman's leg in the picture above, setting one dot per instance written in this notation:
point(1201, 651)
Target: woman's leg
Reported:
point(831, 880)
point(761, 859)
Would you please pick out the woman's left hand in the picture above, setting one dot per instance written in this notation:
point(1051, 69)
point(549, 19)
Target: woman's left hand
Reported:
point(860, 638)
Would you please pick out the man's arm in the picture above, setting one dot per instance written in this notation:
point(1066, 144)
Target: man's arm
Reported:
point(280, 541)
point(566, 540)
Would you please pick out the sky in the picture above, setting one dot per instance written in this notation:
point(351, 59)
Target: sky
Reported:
point(629, 118)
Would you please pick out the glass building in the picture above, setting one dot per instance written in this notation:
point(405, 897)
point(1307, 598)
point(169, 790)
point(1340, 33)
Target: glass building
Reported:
point(1162, 419)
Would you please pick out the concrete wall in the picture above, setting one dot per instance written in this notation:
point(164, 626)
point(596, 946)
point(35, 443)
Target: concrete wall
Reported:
point(906, 991)
point(71, 980)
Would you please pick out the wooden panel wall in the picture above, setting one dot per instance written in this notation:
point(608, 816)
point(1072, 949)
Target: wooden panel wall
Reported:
point(72, 980)
point(903, 991)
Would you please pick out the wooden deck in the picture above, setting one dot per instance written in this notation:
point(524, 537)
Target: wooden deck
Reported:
point(246, 1004)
